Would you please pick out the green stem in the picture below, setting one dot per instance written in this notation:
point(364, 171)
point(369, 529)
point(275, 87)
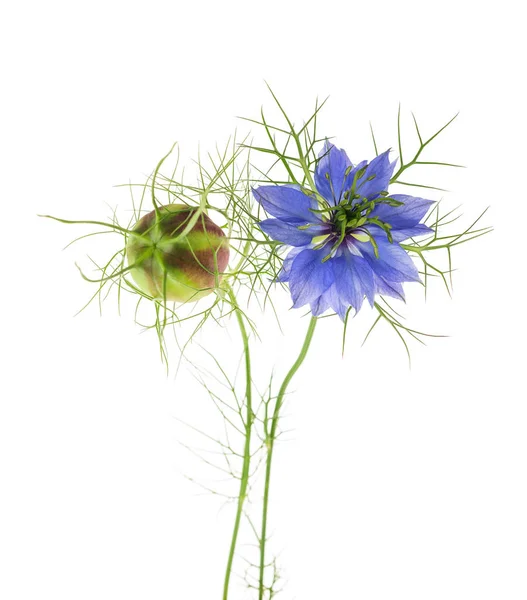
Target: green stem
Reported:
point(244, 480)
point(270, 440)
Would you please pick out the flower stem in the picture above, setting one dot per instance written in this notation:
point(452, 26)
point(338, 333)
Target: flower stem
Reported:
point(270, 440)
point(244, 480)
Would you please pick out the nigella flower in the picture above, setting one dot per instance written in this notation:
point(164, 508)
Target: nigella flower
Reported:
point(346, 236)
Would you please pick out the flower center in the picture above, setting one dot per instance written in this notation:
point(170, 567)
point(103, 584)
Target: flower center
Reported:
point(352, 216)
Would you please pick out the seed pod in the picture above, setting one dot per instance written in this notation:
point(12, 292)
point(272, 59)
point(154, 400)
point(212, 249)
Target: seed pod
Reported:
point(179, 253)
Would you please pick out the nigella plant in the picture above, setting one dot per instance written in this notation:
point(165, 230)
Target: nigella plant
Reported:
point(211, 254)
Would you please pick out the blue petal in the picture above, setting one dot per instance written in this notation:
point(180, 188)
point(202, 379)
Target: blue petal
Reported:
point(399, 235)
point(309, 277)
point(321, 304)
point(380, 169)
point(330, 173)
point(286, 203)
point(386, 288)
point(351, 177)
point(289, 233)
point(393, 265)
point(402, 217)
point(353, 280)
point(336, 301)
point(330, 299)
point(287, 264)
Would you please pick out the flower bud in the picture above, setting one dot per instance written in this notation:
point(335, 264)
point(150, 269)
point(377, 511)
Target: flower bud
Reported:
point(177, 253)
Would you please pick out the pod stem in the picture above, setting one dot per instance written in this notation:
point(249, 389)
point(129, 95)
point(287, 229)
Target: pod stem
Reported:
point(244, 480)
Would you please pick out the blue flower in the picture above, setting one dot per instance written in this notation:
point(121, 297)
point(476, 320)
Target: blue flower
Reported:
point(346, 236)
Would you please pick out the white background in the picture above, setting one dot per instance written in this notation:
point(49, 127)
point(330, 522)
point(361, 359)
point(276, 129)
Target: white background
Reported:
point(395, 483)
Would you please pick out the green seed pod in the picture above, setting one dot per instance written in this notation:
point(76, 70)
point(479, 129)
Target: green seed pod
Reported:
point(179, 253)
